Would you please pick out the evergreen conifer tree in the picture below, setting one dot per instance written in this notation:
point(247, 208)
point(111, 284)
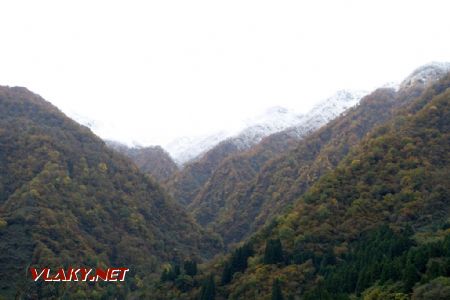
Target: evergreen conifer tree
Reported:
point(208, 291)
point(274, 252)
point(276, 290)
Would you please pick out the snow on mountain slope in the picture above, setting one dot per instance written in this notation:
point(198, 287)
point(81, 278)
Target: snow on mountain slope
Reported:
point(185, 149)
point(275, 119)
point(426, 73)
point(326, 111)
point(279, 119)
point(299, 125)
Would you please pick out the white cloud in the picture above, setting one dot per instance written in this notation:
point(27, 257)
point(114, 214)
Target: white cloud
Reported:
point(155, 70)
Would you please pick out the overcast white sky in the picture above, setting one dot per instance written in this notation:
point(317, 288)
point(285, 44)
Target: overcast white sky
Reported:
point(151, 71)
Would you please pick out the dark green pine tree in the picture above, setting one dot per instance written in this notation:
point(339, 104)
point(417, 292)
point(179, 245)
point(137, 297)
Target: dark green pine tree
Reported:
point(171, 273)
point(237, 262)
point(435, 270)
point(276, 290)
point(164, 275)
point(208, 291)
point(328, 259)
point(176, 270)
point(387, 272)
point(363, 280)
point(190, 267)
point(274, 252)
point(410, 276)
point(226, 274)
point(446, 246)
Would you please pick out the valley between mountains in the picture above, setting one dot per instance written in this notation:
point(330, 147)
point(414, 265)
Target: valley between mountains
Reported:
point(348, 201)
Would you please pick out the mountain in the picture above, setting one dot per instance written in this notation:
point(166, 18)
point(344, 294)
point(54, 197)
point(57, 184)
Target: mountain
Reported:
point(150, 160)
point(325, 111)
point(235, 210)
point(186, 149)
point(298, 125)
point(375, 227)
point(273, 120)
point(66, 199)
point(186, 183)
point(426, 74)
point(276, 131)
point(373, 220)
point(234, 174)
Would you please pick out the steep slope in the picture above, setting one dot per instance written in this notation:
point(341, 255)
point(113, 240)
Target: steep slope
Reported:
point(150, 160)
point(251, 131)
point(275, 134)
point(233, 175)
point(282, 180)
point(426, 74)
point(186, 183)
point(374, 227)
point(298, 126)
point(275, 119)
point(377, 225)
point(231, 179)
point(67, 200)
point(285, 178)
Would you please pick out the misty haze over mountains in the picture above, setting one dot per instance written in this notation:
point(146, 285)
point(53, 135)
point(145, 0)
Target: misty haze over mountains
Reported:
point(274, 119)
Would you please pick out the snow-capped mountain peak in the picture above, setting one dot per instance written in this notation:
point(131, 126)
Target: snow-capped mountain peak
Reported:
point(274, 119)
point(185, 149)
point(325, 111)
point(338, 102)
point(426, 73)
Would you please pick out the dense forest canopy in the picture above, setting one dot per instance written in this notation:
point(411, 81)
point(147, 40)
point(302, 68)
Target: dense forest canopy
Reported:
point(66, 199)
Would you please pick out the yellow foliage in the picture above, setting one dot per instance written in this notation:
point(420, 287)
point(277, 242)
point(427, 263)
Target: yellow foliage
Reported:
point(3, 223)
point(102, 167)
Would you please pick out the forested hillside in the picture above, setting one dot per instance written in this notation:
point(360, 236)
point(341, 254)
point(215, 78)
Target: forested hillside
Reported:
point(67, 200)
point(358, 208)
point(377, 226)
point(238, 210)
point(150, 160)
point(236, 194)
point(185, 184)
point(277, 132)
point(397, 177)
point(233, 176)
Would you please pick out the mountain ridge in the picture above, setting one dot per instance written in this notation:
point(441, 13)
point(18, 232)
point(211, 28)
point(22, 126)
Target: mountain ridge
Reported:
point(368, 189)
point(373, 224)
point(275, 119)
point(153, 160)
point(66, 199)
point(239, 197)
point(187, 183)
